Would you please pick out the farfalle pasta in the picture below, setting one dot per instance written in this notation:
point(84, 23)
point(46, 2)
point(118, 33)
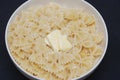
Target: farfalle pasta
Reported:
point(34, 51)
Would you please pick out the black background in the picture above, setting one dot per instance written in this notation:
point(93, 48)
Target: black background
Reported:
point(109, 69)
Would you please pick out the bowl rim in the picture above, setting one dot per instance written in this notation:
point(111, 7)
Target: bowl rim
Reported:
point(30, 75)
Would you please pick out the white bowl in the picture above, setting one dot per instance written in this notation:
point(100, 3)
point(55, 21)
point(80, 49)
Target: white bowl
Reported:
point(68, 3)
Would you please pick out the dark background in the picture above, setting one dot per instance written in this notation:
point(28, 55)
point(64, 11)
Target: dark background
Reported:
point(109, 69)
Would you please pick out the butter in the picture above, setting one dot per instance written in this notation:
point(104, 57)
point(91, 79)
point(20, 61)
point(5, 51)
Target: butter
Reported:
point(64, 43)
point(53, 39)
point(58, 41)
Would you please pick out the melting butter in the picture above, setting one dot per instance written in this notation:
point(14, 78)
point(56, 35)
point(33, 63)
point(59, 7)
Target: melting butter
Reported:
point(58, 41)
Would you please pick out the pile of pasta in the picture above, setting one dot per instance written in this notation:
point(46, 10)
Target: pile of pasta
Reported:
point(26, 37)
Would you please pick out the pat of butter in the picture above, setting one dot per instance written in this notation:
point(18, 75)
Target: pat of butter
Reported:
point(53, 39)
point(64, 43)
point(58, 41)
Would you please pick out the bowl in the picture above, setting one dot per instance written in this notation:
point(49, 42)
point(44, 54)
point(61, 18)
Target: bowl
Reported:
point(68, 3)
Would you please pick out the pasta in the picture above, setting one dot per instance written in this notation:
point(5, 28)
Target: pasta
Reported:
point(29, 29)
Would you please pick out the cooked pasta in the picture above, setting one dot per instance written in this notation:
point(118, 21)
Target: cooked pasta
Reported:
point(31, 27)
